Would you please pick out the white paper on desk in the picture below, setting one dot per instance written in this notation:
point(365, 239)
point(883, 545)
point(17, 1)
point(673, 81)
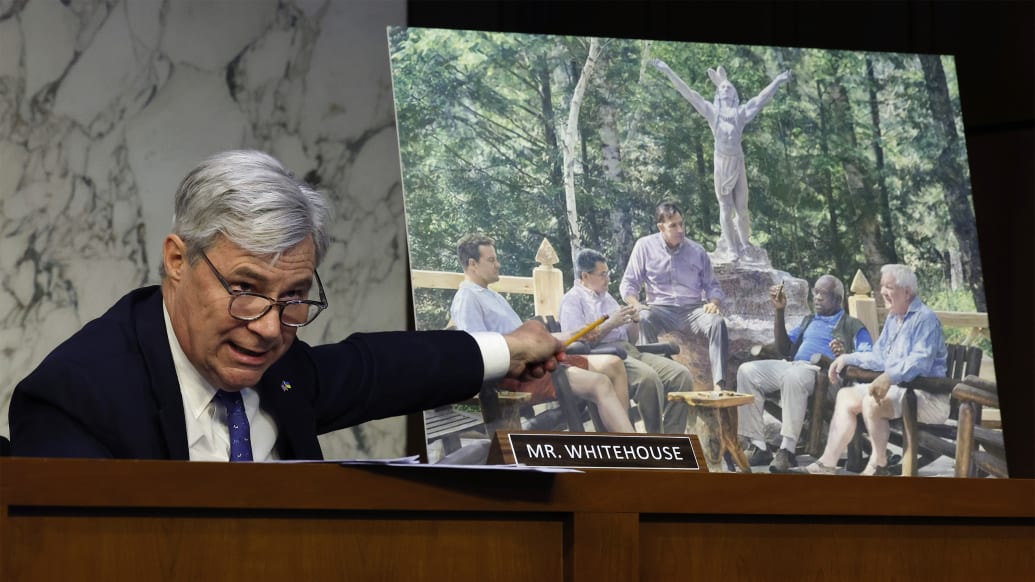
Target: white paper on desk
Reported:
point(411, 460)
point(519, 468)
point(414, 462)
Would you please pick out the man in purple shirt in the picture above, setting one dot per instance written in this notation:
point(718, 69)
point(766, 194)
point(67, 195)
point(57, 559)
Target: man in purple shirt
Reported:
point(681, 289)
point(910, 345)
point(830, 332)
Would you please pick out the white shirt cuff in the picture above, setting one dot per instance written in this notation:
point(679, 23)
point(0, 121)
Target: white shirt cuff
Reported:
point(495, 354)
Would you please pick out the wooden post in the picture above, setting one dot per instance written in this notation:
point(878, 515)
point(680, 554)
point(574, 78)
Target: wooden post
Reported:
point(965, 440)
point(862, 306)
point(547, 281)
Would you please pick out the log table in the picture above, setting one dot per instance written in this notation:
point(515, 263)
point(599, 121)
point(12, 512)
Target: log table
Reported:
point(718, 430)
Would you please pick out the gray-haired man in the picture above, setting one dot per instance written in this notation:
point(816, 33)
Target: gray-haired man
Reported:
point(206, 367)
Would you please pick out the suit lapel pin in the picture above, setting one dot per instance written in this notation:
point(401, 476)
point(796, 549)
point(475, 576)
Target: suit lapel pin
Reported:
point(285, 385)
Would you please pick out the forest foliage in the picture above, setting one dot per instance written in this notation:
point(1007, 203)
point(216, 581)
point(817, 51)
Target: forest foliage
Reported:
point(858, 161)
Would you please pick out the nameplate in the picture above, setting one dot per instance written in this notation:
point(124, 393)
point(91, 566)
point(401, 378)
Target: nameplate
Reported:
point(597, 450)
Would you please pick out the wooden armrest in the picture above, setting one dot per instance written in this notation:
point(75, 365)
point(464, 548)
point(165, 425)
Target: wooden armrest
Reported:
point(767, 352)
point(822, 361)
point(927, 384)
point(966, 392)
point(986, 385)
point(660, 348)
point(583, 349)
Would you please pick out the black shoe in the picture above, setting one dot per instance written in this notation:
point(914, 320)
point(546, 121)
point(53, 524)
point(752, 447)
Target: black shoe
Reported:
point(757, 456)
point(783, 462)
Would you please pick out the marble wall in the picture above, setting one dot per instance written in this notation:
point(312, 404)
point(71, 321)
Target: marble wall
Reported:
point(106, 104)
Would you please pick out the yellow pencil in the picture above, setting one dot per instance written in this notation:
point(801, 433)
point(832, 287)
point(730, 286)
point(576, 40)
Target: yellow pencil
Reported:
point(584, 331)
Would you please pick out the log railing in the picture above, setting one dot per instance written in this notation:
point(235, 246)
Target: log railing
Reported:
point(547, 287)
point(546, 284)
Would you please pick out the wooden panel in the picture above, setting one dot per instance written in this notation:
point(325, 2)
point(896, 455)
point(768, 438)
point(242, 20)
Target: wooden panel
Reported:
point(803, 550)
point(229, 548)
point(602, 547)
point(164, 520)
point(77, 482)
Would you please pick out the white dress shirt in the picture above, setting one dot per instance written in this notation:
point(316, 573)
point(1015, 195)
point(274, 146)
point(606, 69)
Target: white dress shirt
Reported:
point(208, 437)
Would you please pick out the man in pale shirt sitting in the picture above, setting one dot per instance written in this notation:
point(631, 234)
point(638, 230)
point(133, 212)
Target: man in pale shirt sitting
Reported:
point(207, 366)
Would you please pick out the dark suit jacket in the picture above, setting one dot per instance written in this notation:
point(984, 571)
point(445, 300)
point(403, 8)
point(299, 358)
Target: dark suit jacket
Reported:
point(111, 389)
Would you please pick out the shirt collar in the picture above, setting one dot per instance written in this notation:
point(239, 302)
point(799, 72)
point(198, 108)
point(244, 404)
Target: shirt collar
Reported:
point(664, 245)
point(831, 318)
point(587, 291)
point(914, 306)
point(197, 393)
point(473, 286)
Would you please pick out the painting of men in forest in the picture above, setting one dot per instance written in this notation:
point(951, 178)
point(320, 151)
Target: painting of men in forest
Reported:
point(855, 160)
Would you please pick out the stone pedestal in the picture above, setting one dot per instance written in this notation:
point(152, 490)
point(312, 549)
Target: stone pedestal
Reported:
point(749, 318)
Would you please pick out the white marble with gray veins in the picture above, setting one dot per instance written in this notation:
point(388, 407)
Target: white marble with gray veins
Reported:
point(106, 104)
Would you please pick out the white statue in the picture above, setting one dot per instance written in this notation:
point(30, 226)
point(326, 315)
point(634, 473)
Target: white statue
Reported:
point(727, 118)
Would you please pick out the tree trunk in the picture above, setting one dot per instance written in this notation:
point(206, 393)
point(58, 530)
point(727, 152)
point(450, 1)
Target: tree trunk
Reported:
point(571, 142)
point(826, 190)
point(550, 137)
point(705, 194)
point(857, 182)
point(951, 173)
point(887, 226)
point(619, 217)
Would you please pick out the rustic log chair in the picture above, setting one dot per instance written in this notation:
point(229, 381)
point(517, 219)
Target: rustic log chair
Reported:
point(818, 410)
point(499, 411)
point(568, 414)
point(921, 443)
point(979, 450)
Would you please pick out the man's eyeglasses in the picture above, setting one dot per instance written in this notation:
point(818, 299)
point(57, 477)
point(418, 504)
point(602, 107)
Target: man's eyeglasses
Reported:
point(248, 306)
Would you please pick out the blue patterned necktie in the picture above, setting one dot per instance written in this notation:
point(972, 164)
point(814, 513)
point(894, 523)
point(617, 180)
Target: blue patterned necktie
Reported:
point(237, 422)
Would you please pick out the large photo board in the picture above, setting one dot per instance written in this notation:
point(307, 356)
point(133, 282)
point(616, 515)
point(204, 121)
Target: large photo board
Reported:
point(795, 176)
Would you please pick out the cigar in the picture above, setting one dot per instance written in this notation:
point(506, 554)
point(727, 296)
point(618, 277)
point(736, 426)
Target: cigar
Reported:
point(584, 331)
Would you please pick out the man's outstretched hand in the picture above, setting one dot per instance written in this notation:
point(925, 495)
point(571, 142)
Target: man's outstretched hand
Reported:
point(533, 351)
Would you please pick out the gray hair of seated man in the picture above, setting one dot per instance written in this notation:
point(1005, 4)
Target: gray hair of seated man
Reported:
point(586, 261)
point(903, 276)
point(248, 197)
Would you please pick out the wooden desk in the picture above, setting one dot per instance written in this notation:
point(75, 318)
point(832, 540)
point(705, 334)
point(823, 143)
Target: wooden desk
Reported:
point(166, 520)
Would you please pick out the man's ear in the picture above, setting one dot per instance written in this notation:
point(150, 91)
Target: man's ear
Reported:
point(174, 257)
